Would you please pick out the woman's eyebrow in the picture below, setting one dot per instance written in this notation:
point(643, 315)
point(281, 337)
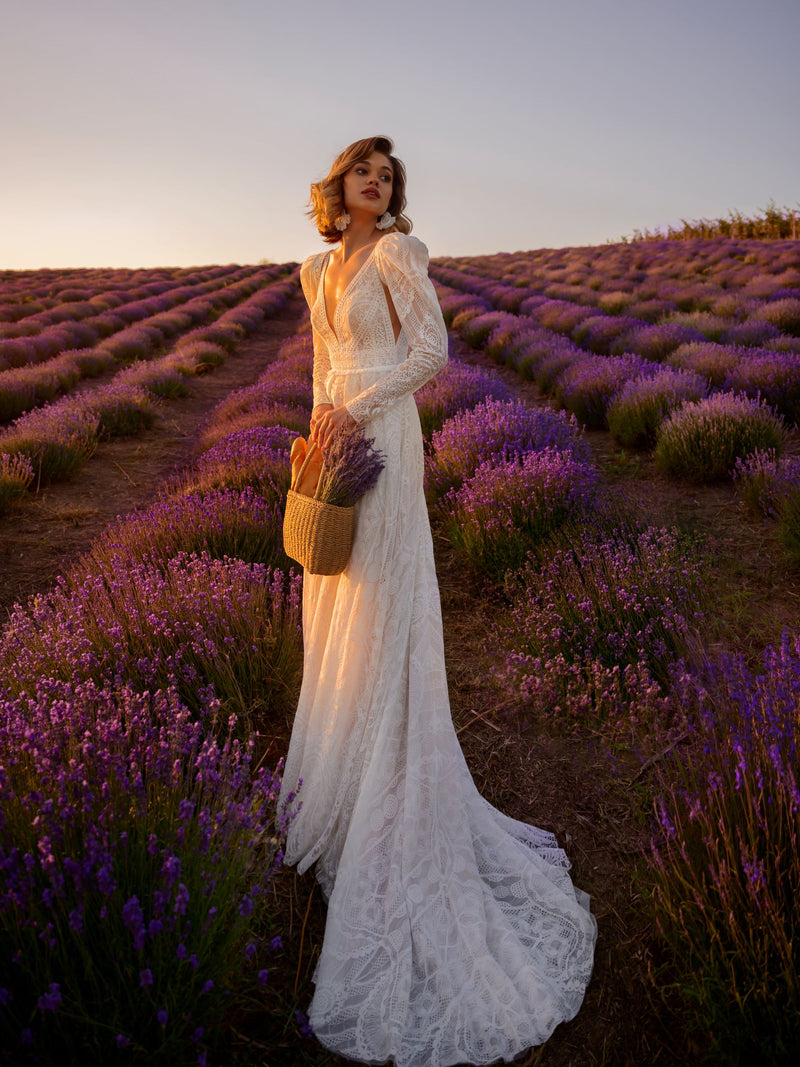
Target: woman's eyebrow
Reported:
point(382, 166)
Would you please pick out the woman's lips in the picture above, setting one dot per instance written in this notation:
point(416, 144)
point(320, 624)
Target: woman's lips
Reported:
point(372, 194)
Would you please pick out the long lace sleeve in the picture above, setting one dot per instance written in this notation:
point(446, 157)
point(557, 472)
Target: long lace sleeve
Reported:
point(309, 279)
point(402, 263)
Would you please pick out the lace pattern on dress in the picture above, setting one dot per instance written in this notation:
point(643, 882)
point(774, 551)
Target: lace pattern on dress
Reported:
point(454, 933)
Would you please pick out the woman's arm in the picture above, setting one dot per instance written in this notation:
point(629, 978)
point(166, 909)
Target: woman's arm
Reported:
point(402, 263)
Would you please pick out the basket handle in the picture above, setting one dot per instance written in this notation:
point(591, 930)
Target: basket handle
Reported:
point(312, 446)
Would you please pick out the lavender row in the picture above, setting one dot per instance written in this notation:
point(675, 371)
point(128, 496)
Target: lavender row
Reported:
point(73, 294)
point(152, 323)
point(39, 336)
point(58, 439)
point(606, 626)
point(641, 400)
point(716, 339)
point(695, 280)
point(156, 892)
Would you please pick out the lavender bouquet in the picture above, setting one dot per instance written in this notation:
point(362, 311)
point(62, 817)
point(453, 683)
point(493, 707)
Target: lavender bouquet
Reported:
point(351, 468)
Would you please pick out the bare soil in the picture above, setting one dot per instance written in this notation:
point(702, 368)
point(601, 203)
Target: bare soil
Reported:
point(593, 798)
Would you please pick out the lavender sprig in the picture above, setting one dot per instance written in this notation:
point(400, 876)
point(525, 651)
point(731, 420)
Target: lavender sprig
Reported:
point(350, 469)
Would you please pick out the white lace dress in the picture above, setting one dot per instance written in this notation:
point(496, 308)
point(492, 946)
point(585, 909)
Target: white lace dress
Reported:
point(454, 934)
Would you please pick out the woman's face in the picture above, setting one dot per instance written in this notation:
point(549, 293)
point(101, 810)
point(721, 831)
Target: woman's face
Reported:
point(368, 185)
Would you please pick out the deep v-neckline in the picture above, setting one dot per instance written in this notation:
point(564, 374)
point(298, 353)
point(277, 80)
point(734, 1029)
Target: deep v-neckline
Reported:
point(331, 323)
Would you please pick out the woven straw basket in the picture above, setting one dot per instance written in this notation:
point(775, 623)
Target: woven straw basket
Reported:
point(317, 535)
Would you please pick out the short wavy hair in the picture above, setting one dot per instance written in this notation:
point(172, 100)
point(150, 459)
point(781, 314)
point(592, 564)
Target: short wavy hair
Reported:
point(326, 203)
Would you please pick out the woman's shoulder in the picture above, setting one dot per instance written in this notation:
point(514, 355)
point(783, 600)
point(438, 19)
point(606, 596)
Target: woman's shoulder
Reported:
point(310, 273)
point(312, 264)
point(403, 250)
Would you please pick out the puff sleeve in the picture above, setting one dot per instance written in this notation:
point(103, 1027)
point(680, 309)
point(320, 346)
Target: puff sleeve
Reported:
point(402, 263)
point(310, 273)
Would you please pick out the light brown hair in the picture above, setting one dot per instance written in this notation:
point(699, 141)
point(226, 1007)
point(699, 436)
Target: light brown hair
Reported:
point(327, 197)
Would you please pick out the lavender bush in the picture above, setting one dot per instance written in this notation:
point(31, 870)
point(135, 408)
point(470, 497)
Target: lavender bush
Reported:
point(508, 506)
point(56, 441)
point(764, 481)
point(726, 863)
point(713, 361)
point(164, 377)
point(702, 440)
point(639, 408)
point(16, 476)
point(599, 332)
point(598, 630)
point(122, 409)
point(135, 855)
point(258, 458)
point(457, 387)
point(496, 428)
point(239, 523)
point(586, 388)
point(657, 341)
point(476, 330)
point(273, 414)
point(771, 376)
point(455, 302)
point(194, 623)
point(783, 314)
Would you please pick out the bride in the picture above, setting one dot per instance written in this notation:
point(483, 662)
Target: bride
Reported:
point(454, 934)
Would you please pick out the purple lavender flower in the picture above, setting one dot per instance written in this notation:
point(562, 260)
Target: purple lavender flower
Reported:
point(51, 1000)
point(350, 469)
point(456, 387)
point(509, 506)
point(588, 387)
point(496, 428)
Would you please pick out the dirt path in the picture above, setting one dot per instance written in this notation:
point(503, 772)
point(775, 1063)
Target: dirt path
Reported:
point(57, 524)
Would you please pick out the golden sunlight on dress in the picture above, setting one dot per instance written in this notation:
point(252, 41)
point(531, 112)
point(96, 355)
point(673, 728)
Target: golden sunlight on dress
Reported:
point(454, 934)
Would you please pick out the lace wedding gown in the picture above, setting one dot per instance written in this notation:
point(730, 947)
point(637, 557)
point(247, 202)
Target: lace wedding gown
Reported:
point(454, 934)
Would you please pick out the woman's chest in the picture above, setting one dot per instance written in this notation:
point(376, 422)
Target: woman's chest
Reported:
point(360, 314)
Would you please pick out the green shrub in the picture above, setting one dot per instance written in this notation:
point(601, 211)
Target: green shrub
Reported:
point(702, 440)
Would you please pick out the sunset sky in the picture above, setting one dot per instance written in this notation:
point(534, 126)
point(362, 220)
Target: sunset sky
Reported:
point(186, 132)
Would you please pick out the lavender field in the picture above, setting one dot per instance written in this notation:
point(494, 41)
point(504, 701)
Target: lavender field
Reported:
point(613, 478)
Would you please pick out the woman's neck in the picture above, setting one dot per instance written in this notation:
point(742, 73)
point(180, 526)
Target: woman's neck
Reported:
point(361, 231)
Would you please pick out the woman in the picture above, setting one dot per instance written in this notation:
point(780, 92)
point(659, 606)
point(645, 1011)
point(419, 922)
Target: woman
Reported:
point(454, 933)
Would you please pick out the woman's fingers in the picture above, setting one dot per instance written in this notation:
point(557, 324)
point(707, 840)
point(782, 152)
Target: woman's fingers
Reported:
point(330, 422)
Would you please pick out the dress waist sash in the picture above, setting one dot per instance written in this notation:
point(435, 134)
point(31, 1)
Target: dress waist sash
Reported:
point(384, 367)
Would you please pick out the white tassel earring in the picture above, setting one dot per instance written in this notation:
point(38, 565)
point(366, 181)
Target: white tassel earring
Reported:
point(385, 221)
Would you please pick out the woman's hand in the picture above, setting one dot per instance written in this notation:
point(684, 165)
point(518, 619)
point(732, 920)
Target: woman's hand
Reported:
point(316, 415)
point(326, 421)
